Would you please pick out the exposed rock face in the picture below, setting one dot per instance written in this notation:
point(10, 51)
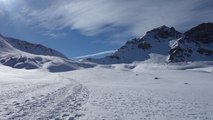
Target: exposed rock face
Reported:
point(164, 32)
point(138, 49)
point(144, 46)
point(21, 62)
point(203, 33)
point(196, 44)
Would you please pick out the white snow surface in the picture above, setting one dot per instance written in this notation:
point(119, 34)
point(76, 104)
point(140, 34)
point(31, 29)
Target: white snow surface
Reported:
point(137, 91)
point(21, 54)
point(32, 48)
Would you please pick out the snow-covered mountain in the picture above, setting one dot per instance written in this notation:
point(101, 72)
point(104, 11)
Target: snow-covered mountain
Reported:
point(162, 44)
point(137, 91)
point(37, 49)
point(156, 41)
point(196, 44)
point(20, 54)
point(167, 45)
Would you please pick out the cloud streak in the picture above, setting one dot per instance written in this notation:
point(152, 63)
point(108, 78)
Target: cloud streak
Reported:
point(97, 55)
point(92, 17)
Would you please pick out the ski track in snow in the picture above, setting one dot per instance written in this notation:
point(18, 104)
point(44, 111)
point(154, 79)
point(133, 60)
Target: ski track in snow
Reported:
point(62, 103)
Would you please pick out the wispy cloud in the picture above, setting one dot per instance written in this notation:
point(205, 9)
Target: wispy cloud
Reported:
point(2, 9)
point(1, 12)
point(97, 55)
point(92, 17)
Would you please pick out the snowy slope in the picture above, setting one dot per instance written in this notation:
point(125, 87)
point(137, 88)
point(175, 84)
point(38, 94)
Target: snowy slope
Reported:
point(155, 41)
point(16, 58)
point(37, 49)
point(195, 45)
point(110, 92)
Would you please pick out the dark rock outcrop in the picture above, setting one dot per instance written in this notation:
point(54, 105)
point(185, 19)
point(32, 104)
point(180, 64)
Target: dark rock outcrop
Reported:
point(196, 44)
point(202, 33)
point(138, 49)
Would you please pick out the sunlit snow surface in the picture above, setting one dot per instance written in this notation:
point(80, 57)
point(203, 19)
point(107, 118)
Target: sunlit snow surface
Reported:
point(138, 91)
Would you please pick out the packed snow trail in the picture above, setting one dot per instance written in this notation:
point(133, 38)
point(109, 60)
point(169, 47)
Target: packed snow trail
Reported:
point(114, 92)
point(59, 99)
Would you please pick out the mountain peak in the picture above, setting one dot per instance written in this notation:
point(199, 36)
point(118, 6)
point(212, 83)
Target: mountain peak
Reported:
point(196, 44)
point(32, 48)
point(166, 44)
point(164, 32)
point(21, 54)
point(202, 33)
point(155, 41)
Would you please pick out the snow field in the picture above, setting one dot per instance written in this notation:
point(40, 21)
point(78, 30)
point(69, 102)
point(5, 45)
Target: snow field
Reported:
point(138, 91)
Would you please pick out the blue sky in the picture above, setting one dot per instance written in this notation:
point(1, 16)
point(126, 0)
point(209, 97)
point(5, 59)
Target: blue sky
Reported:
point(82, 27)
